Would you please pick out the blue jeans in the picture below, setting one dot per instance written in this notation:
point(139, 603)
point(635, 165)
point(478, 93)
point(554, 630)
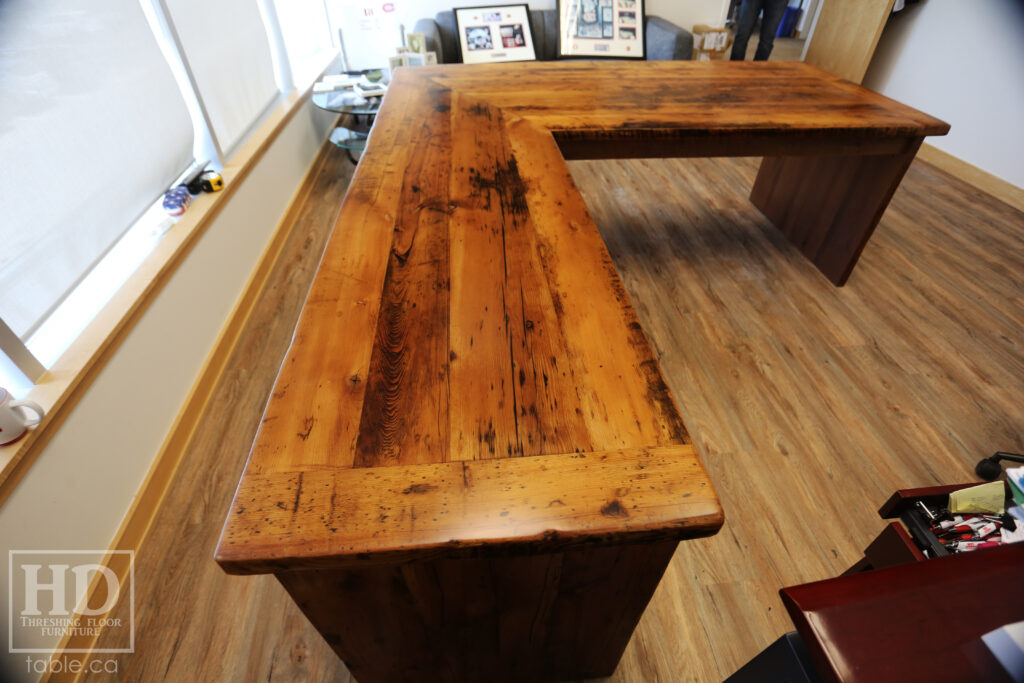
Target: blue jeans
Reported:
point(773, 11)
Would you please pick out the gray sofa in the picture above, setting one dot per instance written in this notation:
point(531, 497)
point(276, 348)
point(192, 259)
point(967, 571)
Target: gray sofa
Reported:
point(664, 39)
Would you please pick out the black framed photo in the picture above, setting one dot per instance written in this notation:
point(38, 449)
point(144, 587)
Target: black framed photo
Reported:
point(601, 28)
point(495, 33)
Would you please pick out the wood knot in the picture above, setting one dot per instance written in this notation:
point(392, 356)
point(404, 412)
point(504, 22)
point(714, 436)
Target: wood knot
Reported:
point(614, 509)
point(419, 488)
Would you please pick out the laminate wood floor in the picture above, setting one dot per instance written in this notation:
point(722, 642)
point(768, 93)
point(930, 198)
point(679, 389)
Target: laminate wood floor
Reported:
point(809, 405)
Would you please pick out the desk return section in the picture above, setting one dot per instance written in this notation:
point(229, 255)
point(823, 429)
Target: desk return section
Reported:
point(471, 467)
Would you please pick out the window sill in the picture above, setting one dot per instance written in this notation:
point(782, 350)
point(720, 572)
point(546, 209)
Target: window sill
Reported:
point(60, 389)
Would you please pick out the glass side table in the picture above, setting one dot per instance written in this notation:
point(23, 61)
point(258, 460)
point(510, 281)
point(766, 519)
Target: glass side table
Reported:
point(359, 115)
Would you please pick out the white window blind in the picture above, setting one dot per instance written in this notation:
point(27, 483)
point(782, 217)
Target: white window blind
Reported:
point(93, 128)
point(307, 35)
point(226, 49)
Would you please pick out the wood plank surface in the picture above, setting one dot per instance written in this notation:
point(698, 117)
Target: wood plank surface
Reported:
point(193, 622)
point(547, 617)
point(467, 306)
point(986, 182)
point(846, 34)
point(829, 206)
point(634, 99)
point(809, 405)
point(460, 508)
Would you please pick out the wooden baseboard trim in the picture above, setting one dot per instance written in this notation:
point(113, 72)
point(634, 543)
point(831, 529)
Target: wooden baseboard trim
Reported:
point(983, 180)
point(137, 522)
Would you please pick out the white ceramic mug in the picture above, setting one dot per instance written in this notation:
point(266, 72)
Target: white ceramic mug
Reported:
point(13, 418)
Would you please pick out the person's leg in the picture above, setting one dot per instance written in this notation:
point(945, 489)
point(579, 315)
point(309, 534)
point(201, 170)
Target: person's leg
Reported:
point(773, 11)
point(744, 27)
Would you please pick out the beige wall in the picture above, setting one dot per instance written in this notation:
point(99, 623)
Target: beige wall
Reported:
point(81, 486)
point(964, 63)
point(687, 13)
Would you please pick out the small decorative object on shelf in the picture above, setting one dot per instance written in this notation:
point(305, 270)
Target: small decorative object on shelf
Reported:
point(334, 82)
point(177, 200)
point(351, 90)
point(369, 90)
point(413, 53)
point(14, 421)
point(417, 42)
point(498, 33)
point(212, 181)
point(601, 28)
point(207, 181)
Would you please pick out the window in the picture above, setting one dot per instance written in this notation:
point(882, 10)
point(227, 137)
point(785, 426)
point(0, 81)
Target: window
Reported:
point(307, 35)
point(85, 90)
point(105, 104)
point(227, 53)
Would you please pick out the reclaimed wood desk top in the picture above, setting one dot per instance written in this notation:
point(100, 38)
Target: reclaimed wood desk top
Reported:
point(468, 373)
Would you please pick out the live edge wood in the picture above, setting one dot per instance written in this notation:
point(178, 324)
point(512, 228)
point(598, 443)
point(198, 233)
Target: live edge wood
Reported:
point(470, 442)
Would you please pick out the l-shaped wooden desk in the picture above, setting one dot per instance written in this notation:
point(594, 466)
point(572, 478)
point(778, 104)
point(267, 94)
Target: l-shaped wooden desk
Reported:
point(471, 467)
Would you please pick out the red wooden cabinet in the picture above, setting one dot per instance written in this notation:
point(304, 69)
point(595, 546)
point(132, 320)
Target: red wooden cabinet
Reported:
point(899, 614)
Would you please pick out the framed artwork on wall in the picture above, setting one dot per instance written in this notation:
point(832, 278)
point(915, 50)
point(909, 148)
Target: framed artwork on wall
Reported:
point(496, 33)
point(601, 28)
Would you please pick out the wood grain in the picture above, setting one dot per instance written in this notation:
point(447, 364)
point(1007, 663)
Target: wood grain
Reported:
point(544, 617)
point(719, 104)
point(467, 306)
point(1002, 190)
point(416, 512)
point(467, 309)
point(805, 403)
point(506, 324)
point(845, 36)
point(829, 206)
point(193, 622)
point(809, 404)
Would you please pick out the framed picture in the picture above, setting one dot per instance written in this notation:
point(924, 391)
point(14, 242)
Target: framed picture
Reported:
point(496, 33)
point(601, 28)
point(417, 42)
point(396, 61)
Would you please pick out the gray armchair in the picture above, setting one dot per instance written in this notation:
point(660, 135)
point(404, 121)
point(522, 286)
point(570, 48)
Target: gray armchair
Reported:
point(664, 39)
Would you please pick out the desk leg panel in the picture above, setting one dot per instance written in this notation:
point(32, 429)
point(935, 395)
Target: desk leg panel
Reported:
point(547, 617)
point(828, 206)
